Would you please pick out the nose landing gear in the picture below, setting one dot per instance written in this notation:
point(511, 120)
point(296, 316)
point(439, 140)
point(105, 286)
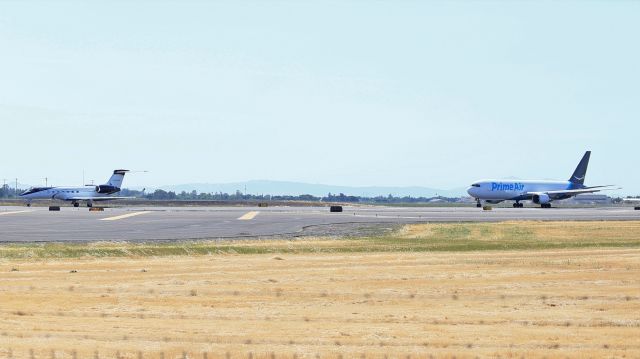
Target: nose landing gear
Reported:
point(478, 204)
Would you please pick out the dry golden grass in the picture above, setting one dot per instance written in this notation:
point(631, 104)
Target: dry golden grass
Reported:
point(548, 230)
point(431, 237)
point(547, 303)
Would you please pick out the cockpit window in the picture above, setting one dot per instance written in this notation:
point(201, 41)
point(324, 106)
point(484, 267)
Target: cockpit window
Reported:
point(35, 190)
point(475, 185)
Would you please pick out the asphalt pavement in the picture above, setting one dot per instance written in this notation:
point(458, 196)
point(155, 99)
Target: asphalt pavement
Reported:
point(38, 224)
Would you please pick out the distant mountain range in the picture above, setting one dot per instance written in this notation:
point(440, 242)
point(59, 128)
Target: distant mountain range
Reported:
point(297, 188)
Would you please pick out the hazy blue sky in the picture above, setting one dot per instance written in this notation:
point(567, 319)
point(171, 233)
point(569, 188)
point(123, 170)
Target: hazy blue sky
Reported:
point(348, 92)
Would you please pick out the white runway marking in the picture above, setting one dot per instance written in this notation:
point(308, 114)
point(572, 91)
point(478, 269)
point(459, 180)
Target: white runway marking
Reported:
point(14, 212)
point(124, 216)
point(249, 216)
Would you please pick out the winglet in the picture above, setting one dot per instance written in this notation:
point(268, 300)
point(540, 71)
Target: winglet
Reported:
point(581, 170)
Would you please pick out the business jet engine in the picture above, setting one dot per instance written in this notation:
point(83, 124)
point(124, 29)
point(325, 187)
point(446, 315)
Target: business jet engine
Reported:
point(106, 189)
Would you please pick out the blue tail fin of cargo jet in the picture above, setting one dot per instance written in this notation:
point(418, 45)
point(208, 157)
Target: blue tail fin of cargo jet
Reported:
point(581, 170)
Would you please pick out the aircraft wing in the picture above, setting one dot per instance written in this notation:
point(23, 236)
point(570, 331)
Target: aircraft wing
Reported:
point(573, 192)
point(105, 198)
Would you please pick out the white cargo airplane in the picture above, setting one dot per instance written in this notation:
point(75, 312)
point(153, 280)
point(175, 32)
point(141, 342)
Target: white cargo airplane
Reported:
point(540, 192)
point(89, 194)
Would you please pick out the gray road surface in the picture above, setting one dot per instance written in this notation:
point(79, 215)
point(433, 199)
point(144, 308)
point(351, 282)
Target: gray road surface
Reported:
point(22, 224)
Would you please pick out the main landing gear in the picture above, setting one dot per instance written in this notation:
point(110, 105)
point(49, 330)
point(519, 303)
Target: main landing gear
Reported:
point(76, 204)
point(518, 205)
point(545, 205)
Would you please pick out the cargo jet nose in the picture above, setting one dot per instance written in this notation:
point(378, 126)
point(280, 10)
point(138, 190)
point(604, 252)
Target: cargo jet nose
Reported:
point(473, 190)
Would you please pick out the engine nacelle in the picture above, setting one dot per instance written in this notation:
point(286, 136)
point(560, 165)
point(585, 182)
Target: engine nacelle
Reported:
point(541, 198)
point(106, 189)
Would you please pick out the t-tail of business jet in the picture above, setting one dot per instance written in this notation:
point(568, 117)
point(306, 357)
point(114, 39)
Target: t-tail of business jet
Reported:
point(539, 192)
point(75, 195)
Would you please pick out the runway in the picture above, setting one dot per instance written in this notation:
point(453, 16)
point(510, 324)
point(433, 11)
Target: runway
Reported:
point(22, 224)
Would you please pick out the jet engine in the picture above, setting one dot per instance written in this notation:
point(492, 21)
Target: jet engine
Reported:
point(106, 189)
point(541, 198)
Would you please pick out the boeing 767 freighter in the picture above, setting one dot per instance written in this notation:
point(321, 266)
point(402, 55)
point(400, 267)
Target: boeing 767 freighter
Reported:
point(539, 192)
point(89, 194)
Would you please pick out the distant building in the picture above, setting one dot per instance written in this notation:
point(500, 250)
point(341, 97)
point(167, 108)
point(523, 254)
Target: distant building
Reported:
point(590, 199)
point(437, 200)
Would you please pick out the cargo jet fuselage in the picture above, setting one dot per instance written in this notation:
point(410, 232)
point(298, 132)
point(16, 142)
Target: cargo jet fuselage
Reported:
point(539, 192)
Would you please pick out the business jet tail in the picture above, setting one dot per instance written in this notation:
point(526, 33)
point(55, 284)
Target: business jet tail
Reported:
point(117, 178)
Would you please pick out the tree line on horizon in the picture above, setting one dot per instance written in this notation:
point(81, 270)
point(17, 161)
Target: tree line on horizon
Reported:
point(160, 194)
point(7, 192)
